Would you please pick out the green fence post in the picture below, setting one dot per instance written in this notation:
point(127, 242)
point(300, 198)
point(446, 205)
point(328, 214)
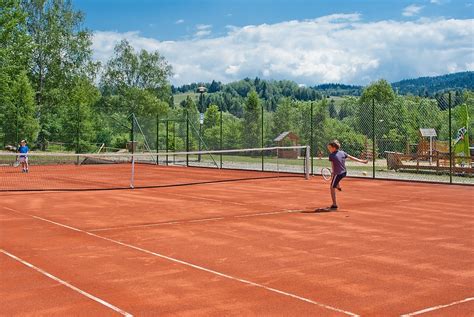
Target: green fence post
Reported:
point(157, 139)
point(17, 141)
point(262, 141)
point(167, 140)
point(132, 133)
point(221, 138)
point(373, 138)
point(174, 141)
point(450, 141)
point(187, 137)
point(78, 127)
point(311, 138)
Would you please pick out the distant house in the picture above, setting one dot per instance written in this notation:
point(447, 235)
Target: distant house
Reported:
point(288, 138)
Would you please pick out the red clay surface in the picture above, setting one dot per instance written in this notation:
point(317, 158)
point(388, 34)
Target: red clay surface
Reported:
point(241, 248)
point(112, 176)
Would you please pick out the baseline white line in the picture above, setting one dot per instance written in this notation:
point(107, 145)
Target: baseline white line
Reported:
point(57, 279)
point(201, 268)
point(430, 309)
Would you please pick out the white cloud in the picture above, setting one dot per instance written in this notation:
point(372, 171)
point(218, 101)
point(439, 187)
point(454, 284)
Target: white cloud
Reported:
point(338, 48)
point(180, 21)
point(203, 26)
point(412, 10)
point(440, 2)
point(203, 30)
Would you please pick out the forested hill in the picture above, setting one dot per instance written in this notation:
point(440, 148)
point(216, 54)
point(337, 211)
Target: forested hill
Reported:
point(427, 86)
point(423, 86)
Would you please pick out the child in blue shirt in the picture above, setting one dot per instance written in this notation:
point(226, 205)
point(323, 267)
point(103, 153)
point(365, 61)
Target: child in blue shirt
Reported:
point(338, 162)
point(23, 149)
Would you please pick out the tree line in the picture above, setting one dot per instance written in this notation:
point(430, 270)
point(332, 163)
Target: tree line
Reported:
point(52, 90)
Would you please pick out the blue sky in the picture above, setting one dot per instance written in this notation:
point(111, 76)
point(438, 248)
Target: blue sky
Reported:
point(157, 18)
point(228, 40)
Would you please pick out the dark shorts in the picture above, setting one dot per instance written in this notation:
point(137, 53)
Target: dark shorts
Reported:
point(336, 179)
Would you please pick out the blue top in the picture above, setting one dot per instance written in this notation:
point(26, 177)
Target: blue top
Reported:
point(23, 149)
point(338, 160)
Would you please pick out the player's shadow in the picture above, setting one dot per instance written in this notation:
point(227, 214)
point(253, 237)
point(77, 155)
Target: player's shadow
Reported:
point(320, 211)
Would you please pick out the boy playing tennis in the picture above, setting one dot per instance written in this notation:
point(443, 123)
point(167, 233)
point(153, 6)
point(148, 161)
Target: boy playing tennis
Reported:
point(23, 149)
point(339, 171)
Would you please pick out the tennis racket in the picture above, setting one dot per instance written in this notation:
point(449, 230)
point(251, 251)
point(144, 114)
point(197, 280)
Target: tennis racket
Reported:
point(17, 162)
point(326, 173)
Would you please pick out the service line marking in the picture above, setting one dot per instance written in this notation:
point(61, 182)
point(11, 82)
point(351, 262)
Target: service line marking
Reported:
point(209, 199)
point(57, 279)
point(181, 222)
point(195, 266)
point(430, 309)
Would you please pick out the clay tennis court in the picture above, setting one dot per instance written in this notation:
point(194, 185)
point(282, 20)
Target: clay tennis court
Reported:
point(245, 247)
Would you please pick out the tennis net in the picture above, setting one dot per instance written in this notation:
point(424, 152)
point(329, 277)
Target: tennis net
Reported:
point(67, 171)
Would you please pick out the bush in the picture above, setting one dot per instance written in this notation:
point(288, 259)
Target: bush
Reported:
point(120, 141)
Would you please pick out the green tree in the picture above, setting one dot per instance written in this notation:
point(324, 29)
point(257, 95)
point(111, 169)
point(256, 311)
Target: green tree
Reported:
point(376, 101)
point(381, 91)
point(143, 70)
point(61, 54)
point(251, 123)
point(348, 108)
point(19, 121)
point(284, 117)
point(211, 117)
point(319, 118)
point(351, 141)
point(332, 109)
point(78, 125)
point(232, 131)
point(15, 42)
point(15, 56)
point(211, 133)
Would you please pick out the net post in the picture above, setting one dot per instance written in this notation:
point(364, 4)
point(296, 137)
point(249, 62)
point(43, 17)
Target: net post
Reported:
point(306, 161)
point(132, 176)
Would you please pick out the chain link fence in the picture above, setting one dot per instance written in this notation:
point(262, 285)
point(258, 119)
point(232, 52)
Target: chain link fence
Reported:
point(408, 138)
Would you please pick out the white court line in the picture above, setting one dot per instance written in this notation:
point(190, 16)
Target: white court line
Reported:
point(430, 309)
point(205, 220)
point(100, 301)
point(209, 199)
point(286, 211)
point(178, 222)
point(201, 268)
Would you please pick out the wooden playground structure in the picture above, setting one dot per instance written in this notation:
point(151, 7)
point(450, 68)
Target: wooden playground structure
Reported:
point(431, 156)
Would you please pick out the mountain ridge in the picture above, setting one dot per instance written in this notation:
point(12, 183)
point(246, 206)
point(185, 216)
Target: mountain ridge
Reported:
point(421, 86)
